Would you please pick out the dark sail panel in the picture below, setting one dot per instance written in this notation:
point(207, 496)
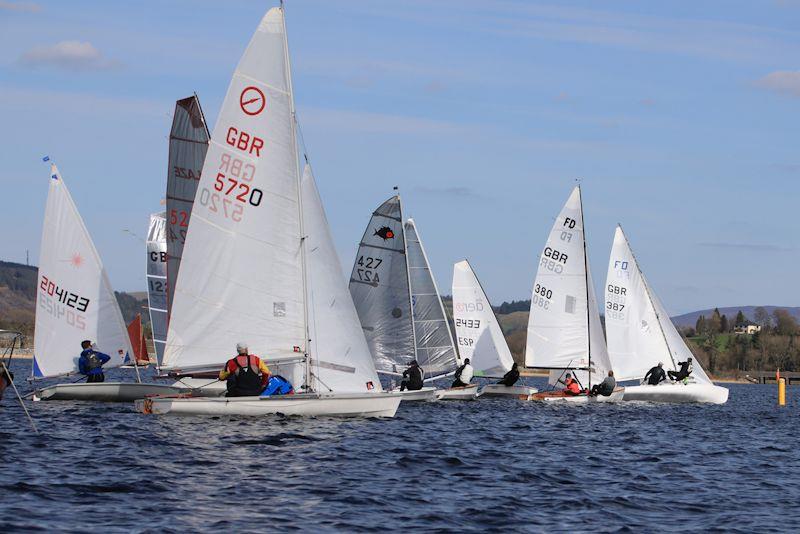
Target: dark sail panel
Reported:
point(188, 143)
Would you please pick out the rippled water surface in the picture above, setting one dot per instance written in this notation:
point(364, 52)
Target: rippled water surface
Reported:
point(491, 465)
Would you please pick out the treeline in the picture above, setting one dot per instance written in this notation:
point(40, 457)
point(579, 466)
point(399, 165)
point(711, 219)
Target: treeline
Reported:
point(725, 346)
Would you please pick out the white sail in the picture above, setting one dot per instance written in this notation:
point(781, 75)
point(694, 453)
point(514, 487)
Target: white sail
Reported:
point(379, 288)
point(157, 281)
point(436, 352)
point(341, 360)
point(558, 325)
point(478, 333)
point(188, 144)
point(241, 274)
point(639, 330)
point(74, 299)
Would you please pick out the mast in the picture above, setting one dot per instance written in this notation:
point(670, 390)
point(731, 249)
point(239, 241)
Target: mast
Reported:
point(303, 267)
point(586, 283)
point(408, 273)
point(649, 297)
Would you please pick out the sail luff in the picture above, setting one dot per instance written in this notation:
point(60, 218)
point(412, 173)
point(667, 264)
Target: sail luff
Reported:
point(408, 277)
point(588, 301)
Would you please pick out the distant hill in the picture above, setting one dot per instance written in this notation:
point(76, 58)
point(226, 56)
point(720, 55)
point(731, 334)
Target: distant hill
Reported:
point(690, 319)
point(18, 298)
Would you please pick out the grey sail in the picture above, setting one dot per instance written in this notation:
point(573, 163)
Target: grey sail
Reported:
point(436, 352)
point(157, 281)
point(188, 143)
point(379, 287)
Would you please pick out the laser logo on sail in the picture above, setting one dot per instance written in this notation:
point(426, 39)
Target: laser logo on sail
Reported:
point(384, 232)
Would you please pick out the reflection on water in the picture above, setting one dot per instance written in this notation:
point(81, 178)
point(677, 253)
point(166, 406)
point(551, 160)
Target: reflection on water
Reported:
point(494, 464)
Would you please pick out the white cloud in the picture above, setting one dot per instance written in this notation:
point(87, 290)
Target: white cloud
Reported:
point(67, 55)
point(27, 7)
point(782, 81)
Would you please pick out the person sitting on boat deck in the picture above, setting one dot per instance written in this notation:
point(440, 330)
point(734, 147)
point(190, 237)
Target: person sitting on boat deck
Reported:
point(572, 386)
point(91, 363)
point(277, 385)
point(606, 387)
point(511, 377)
point(246, 374)
point(685, 369)
point(463, 375)
point(412, 377)
point(656, 375)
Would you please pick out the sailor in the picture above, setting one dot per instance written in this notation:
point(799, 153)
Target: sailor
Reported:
point(606, 387)
point(656, 375)
point(246, 374)
point(463, 375)
point(91, 363)
point(685, 369)
point(572, 386)
point(412, 377)
point(511, 377)
point(277, 385)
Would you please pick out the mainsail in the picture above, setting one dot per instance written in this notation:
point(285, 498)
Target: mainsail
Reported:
point(379, 287)
point(341, 360)
point(74, 299)
point(157, 281)
point(564, 329)
point(241, 274)
point(639, 330)
point(479, 335)
point(436, 351)
point(188, 144)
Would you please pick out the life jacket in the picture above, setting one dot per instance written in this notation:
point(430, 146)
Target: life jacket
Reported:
point(414, 377)
point(572, 386)
point(92, 361)
point(246, 380)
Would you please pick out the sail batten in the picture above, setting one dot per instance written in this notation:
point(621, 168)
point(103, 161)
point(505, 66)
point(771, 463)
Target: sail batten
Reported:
point(74, 299)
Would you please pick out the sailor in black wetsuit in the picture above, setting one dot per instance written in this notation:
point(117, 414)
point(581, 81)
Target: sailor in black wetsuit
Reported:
point(683, 372)
point(656, 375)
point(412, 377)
point(511, 377)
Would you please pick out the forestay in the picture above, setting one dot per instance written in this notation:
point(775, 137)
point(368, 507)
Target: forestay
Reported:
point(436, 352)
point(379, 288)
point(639, 330)
point(157, 281)
point(74, 299)
point(478, 333)
point(340, 358)
point(188, 144)
point(241, 274)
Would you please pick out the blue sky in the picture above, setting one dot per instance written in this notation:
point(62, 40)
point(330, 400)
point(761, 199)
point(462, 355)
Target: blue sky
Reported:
point(680, 118)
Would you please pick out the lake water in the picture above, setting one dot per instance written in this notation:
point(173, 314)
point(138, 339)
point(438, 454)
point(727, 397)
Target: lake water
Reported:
point(492, 465)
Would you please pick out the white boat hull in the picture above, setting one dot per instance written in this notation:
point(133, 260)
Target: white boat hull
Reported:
point(427, 394)
point(469, 392)
point(678, 392)
point(499, 390)
point(337, 405)
point(104, 391)
point(617, 395)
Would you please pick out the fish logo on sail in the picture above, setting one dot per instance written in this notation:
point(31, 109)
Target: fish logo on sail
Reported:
point(384, 232)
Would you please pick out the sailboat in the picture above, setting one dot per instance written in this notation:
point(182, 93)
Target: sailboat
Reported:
point(399, 305)
point(564, 329)
point(479, 335)
point(641, 334)
point(258, 264)
point(75, 302)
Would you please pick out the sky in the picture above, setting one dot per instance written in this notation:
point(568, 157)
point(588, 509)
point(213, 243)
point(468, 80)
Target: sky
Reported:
point(679, 119)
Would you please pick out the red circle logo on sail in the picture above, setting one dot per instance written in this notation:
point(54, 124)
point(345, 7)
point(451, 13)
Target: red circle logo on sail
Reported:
point(252, 100)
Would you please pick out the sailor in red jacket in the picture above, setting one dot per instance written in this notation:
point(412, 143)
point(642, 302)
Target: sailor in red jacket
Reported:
point(572, 386)
point(246, 374)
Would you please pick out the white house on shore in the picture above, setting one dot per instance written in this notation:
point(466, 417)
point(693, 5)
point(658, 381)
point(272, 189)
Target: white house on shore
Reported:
point(747, 329)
